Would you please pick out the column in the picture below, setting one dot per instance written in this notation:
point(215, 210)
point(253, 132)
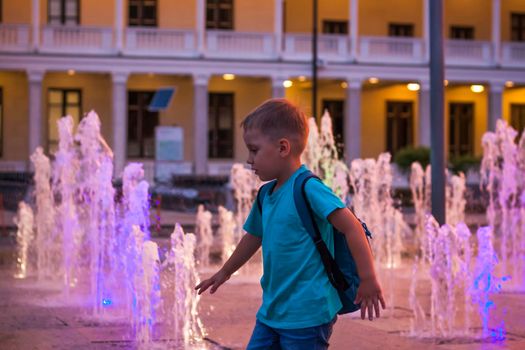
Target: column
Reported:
point(36, 24)
point(35, 79)
point(278, 27)
point(424, 114)
point(278, 90)
point(352, 126)
point(119, 26)
point(120, 120)
point(495, 104)
point(353, 17)
point(201, 25)
point(200, 124)
point(426, 29)
point(496, 30)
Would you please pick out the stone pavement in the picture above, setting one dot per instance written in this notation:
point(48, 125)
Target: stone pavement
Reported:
point(228, 316)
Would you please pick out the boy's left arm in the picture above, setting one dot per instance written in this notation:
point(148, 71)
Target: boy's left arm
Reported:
point(369, 292)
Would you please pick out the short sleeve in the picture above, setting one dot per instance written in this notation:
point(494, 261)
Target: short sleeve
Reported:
point(321, 198)
point(253, 223)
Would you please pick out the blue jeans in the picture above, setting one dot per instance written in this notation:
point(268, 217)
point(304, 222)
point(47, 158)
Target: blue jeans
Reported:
point(311, 338)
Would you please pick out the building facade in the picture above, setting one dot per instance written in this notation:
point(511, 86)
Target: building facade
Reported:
point(224, 57)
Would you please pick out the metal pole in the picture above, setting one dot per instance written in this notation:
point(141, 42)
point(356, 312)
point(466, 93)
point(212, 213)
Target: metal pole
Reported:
point(437, 121)
point(314, 61)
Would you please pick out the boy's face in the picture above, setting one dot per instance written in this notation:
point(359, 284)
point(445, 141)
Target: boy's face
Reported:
point(263, 154)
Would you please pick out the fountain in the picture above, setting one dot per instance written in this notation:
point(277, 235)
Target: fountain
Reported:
point(24, 237)
point(204, 235)
point(503, 162)
point(96, 246)
point(225, 233)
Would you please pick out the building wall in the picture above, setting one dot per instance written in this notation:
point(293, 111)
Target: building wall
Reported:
point(507, 7)
point(373, 115)
point(298, 14)
point(479, 17)
point(96, 95)
point(15, 115)
point(180, 14)
point(97, 13)
point(248, 94)
point(253, 16)
point(16, 12)
point(375, 15)
point(463, 94)
point(179, 111)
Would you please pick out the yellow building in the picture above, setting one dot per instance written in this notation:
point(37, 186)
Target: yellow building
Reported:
point(224, 57)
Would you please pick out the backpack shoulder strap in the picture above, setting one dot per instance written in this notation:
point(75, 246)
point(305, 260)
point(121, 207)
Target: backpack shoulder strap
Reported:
point(263, 191)
point(303, 207)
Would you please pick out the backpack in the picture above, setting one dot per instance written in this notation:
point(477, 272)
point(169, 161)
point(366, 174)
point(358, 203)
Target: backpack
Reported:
point(341, 268)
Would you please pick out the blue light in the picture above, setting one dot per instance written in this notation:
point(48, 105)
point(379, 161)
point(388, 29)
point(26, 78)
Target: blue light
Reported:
point(106, 302)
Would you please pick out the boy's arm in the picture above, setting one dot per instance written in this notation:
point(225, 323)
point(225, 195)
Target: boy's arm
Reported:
point(369, 293)
point(247, 246)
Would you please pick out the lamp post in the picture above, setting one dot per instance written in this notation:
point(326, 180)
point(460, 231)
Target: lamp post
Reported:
point(437, 122)
point(314, 60)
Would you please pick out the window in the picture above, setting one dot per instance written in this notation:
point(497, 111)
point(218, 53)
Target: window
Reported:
point(220, 125)
point(335, 27)
point(517, 24)
point(142, 13)
point(517, 117)
point(461, 129)
point(61, 102)
point(399, 117)
point(219, 14)
point(1, 11)
point(63, 12)
point(461, 33)
point(141, 125)
point(1, 121)
point(336, 108)
point(401, 29)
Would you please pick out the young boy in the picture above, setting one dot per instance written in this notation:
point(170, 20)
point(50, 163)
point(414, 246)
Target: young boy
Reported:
point(299, 304)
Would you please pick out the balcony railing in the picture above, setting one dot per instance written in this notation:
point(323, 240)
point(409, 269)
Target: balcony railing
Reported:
point(468, 52)
point(513, 54)
point(14, 37)
point(330, 47)
point(77, 39)
point(160, 42)
point(391, 50)
point(222, 43)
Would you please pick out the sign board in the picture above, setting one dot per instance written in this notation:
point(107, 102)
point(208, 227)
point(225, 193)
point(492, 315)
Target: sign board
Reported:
point(161, 99)
point(169, 143)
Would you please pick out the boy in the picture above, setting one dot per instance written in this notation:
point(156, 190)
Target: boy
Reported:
point(299, 305)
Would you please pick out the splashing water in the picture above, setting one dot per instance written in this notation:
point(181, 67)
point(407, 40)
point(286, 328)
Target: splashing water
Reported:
point(47, 242)
point(503, 162)
point(181, 309)
point(204, 235)
point(225, 233)
point(244, 184)
point(485, 283)
point(24, 237)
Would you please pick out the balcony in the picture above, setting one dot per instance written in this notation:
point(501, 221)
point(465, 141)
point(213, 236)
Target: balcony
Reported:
point(77, 39)
point(142, 41)
point(468, 52)
point(330, 47)
point(235, 45)
point(513, 54)
point(14, 37)
point(376, 49)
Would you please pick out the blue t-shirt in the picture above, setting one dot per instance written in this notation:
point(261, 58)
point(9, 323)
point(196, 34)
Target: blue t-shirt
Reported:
point(296, 289)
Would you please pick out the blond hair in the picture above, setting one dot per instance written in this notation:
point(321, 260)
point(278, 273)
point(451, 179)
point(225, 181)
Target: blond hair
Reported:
point(278, 118)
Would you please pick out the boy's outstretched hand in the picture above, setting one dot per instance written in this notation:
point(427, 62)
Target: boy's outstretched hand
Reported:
point(369, 295)
point(214, 281)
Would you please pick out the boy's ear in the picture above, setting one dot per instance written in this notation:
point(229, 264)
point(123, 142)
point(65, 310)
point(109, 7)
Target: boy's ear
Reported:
point(285, 147)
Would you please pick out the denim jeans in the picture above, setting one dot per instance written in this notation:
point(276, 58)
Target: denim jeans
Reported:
point(311, 338)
